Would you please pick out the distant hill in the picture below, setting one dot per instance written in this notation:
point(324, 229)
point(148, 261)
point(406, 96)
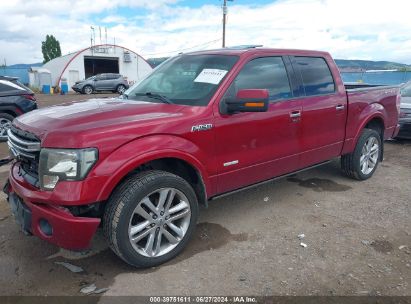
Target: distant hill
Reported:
point(343, 64)
point(363, 65)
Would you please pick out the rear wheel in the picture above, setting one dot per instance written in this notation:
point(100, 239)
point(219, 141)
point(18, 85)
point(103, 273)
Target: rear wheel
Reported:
point(88, 89)
point(121, 89)
point(362, 163)
point(5, 124)
point(150, 218)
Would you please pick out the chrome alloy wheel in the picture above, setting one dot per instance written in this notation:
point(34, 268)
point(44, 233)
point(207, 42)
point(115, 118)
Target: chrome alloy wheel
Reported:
point(5, 125)
point(159, 222)
point(369, 155)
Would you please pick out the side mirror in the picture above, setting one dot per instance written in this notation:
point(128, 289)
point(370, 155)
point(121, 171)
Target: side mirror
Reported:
point(249, 100)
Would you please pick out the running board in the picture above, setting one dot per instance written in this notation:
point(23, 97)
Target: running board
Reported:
point(268, 180)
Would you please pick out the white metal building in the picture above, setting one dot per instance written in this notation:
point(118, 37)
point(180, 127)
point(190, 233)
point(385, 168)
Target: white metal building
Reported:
point(105, 58)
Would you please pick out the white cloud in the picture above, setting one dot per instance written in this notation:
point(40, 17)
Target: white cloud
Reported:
point(366, 29)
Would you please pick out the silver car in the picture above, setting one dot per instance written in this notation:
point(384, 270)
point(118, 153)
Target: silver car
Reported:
point(101, 82)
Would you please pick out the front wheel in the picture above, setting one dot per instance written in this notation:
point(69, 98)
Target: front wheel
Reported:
point(88, 89)
point(150, 218)
point(362, 163)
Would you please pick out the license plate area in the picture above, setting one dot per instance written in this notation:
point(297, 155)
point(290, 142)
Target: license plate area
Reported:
point(22, 214)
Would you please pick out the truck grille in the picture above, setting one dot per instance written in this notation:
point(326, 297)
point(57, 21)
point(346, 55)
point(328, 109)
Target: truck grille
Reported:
point(25, 147)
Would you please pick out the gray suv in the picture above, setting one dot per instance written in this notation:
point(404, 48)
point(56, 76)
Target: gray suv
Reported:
point(101, 82)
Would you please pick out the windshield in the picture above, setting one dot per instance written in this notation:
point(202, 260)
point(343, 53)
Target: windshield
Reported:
point(185, 79)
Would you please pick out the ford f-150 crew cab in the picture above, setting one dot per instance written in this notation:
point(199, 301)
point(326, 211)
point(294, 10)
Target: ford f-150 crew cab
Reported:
point(200, 125)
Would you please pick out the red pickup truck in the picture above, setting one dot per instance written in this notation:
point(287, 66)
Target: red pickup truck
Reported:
point(200, 125)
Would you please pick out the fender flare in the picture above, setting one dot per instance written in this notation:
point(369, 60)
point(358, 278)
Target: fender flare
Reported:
point(125, 167)
point(11, 108)
point(369, 113)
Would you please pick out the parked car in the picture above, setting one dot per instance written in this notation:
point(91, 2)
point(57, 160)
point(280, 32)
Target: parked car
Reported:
point(101, 82)
point(15, 99)
point(405, 111)
point(202, 125)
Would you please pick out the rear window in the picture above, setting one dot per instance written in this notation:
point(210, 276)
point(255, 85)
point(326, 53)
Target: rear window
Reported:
point(113, 76)
point(9, 86)
point(316, 76)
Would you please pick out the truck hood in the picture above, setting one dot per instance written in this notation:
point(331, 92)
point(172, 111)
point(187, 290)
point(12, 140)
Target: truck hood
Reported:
point(87, 118)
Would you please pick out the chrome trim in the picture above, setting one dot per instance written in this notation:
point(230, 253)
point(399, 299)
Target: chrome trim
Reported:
point(15, 141)
point(17, 151)
point(234, 162)
point(22, 148)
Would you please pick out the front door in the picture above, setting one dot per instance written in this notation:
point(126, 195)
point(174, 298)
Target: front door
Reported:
point(102, 82)
point(253, 147)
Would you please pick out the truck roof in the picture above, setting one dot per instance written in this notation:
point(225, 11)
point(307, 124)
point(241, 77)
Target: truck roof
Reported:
point(257, 49)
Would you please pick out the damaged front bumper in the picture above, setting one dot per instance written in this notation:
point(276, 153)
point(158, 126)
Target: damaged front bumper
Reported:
point(49, 222)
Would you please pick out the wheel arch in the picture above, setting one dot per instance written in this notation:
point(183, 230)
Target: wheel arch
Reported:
point(13, 111)
point(374, 122)
point(172, 161)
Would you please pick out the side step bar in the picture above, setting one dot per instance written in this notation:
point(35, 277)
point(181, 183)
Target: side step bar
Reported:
point(268, 180)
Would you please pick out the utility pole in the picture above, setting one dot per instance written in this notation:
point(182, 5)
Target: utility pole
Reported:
point(225, 10)
point(224, 20)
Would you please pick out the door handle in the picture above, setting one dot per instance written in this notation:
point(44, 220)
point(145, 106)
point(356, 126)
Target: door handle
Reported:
point(295, 114)
point(339, 107)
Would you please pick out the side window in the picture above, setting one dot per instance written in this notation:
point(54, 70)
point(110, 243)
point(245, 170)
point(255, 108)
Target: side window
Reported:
point(9, 86)
point(101, 77)
point(113, 76)
point(316, 76)
point(263, 73)
point(4, 88)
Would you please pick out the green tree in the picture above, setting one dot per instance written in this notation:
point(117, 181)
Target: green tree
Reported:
point(50, 48)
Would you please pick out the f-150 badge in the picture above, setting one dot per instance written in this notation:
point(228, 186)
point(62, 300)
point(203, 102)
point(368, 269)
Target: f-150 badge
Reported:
point(201, 127)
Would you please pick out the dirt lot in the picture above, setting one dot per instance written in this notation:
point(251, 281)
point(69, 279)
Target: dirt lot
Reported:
point(247, 244)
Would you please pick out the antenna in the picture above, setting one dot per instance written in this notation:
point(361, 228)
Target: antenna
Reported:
point(106, 34)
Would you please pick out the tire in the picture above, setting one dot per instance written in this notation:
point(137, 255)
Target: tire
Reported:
point(120, 89)
point(128, 209)
point(87, 89)
point(5, 123)
point(362, 163)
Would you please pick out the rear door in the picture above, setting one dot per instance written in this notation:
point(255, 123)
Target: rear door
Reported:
point(112, 81)
point(324, 111)
point(102, 82)
point(253, 147)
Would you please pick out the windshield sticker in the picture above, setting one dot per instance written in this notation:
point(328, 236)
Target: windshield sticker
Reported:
point(212, 76)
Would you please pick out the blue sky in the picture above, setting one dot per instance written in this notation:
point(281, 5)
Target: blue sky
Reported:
point(349, 29)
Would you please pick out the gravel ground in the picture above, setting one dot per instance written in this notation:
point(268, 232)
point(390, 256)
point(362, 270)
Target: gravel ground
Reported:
point(358, 237)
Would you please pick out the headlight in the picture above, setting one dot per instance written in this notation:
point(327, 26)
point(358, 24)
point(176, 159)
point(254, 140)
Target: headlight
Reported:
point(64, 164)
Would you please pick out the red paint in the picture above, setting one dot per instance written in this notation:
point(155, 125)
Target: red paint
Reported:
point(266, 144)
point(68, 231)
